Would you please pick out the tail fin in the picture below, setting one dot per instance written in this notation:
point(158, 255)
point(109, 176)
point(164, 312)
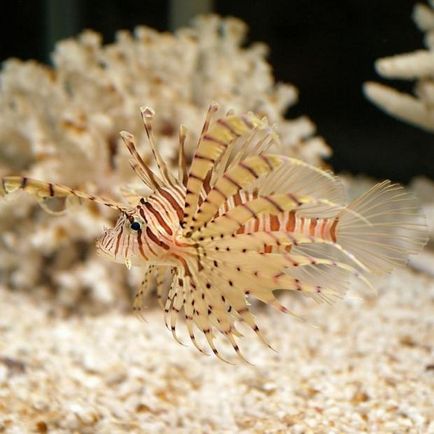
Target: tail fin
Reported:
point(396, 229)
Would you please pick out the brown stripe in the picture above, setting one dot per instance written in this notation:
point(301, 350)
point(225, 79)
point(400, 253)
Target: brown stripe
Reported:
point(180, 191)
point(142, 165)
point(140, 243)
point(205, 127)
point(291, 222)
point(160, 219)
point(274, 223)
point(51, 189)
point(142, 213)
point(112, 239)
point(294, 199)
point(152, 252)
point(110, 242)
point(274, 203)
point(217, 190)
point(207, 182)
point(237, 199)
point(174, 204)
point(275, 239)
point(224, 124)
point(193, 176)
point(268, 249)
point(232, 181)
point(264, 158)
point(215, 140)
point(323, 226)
point(184, 264)
point(167, 210)
point(249, 169)
point(312, 226)
point(203, 157)
point(248, 209)
point(106, 241)
point(225, 207)
point(333, 229)
point(118, 240)
point(23, 182)
point(155, 239)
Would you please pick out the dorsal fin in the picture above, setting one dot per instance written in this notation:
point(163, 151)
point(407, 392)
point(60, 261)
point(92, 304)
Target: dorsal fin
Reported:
point(142, 170)
point(302, 179)
point(182, 161)
point(236, 178)
point(212, 145)
point(147, 116)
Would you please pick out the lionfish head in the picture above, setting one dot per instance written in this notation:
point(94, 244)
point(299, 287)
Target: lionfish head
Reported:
point(120, 243)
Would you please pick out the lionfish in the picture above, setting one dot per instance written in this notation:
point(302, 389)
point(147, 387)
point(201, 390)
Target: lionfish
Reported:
point(240, 223)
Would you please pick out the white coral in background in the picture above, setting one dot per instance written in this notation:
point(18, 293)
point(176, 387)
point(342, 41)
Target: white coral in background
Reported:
point(62, 124)
point(417, 109)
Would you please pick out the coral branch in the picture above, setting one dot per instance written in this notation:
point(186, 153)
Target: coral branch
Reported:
point(415, 109)
point(410, 66)
point(402, 106)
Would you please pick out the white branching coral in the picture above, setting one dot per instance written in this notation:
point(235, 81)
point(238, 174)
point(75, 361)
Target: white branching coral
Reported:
point(417, 109)
point(62, 124)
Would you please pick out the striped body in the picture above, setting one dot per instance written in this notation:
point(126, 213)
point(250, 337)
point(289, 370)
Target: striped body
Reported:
point(240, 223)
point(289, 221)
point(159, 239)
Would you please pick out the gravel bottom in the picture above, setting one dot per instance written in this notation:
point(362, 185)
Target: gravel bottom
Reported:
point(367, 367)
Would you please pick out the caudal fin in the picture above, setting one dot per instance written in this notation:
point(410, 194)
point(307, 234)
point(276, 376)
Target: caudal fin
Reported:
point(394, 228)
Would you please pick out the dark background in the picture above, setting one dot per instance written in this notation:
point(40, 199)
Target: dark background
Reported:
point(326, 48)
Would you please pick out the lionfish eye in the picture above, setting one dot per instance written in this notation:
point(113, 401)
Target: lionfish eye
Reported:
point(135, 226)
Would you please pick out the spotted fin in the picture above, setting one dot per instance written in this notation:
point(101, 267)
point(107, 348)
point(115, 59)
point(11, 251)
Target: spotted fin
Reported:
point(145, 289)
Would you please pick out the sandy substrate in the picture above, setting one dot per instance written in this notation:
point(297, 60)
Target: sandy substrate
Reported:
point(368, 367)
